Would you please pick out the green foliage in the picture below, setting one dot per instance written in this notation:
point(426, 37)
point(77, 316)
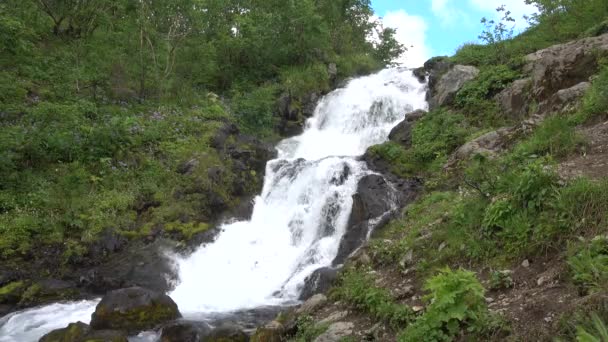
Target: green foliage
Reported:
point(589, 265)
point(438, 134)
point(357, 288)
point(595, 100)
point(501, 280)
point(456, 301)
point(300, 81)
point(556, 137)
point(255, 109)
point(598, 334)
point(476, 97)
point(308, 330)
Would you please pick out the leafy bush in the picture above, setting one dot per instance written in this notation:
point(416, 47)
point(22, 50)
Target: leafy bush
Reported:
point(255, 109)
point(456, 301)
point(589, 265)
point(308, 330)
point(475, 98)
point(357, 288)
point(555, 137)
point(595, 101)
point(598, 334)
point(438, 134)
point(300, 81)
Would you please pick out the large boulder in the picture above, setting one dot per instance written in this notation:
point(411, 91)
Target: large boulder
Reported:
point(449, 84)
point(374, 197)
point(565, 65)
point(271, 332)
point(402, 133)
point(514, 100)
point(133, 309)
point(320, 281)
point(227, 332)
point(185, 331)
point(74, 332)
point(336, 332)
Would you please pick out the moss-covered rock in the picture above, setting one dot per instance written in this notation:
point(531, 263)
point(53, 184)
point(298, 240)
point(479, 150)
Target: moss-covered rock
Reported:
point(105, 336)
point(227, 333)
point(74, 332)
point(133, 309)
point(272, 332)
point(12, 292)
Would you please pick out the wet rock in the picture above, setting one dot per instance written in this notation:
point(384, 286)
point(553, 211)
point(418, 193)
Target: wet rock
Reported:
point(227, 333)
point(374, 197)
point(312, 304)
point(133, 309)
point(185, 331)
point(105, 336)
point(402, 133)
point(332, 72)
point(74, 332)
point(144, 265)
point(309, 104)
point(450, 83)
point(432, 70)
point(320, 281)
point(11, 293)
point(336, 332)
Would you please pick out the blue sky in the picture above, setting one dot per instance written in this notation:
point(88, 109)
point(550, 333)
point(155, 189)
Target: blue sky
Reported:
point(438, 27)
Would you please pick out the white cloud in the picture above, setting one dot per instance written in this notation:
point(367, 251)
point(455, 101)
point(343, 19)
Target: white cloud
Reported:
point(449, 14)
point(410, 31)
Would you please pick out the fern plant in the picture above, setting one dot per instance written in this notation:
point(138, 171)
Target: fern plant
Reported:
point(599, 335)
point(456, 299)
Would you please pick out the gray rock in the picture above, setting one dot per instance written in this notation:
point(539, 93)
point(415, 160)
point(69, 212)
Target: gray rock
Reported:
point(319, 281)
point(336, 332)
point(565, 65)
point(514, 100)
point(334, 317)
point(450, 83)
point(227, 332)
point(185, 331)
point(312, 304)
point(402, 133)
point(374, 197)
point(133, 309)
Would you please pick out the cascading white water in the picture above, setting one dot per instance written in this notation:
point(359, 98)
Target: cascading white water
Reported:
point(297, 221)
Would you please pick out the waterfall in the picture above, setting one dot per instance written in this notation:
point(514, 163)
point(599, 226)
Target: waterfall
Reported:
point(297, 222)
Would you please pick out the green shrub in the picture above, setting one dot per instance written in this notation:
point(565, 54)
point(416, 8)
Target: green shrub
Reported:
point(595, 101)
point(308, 330)
point(255, 109)
point(456, 302)
point(438, 134)
point(356, 64)
point(357, 288)
point(556, 136)
point(598, 334)
point(300, 81)
point(589, 265)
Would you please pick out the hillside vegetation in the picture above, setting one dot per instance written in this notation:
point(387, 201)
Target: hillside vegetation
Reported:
point(136, 119)
point(502, 244)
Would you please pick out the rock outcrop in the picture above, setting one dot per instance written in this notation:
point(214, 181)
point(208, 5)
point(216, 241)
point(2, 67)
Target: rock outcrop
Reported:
point(402, 133)
point(444, 92)
point(81, 332)
point(558, 77)
point(185, 331)
point(133, 309)
point(320, 281)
